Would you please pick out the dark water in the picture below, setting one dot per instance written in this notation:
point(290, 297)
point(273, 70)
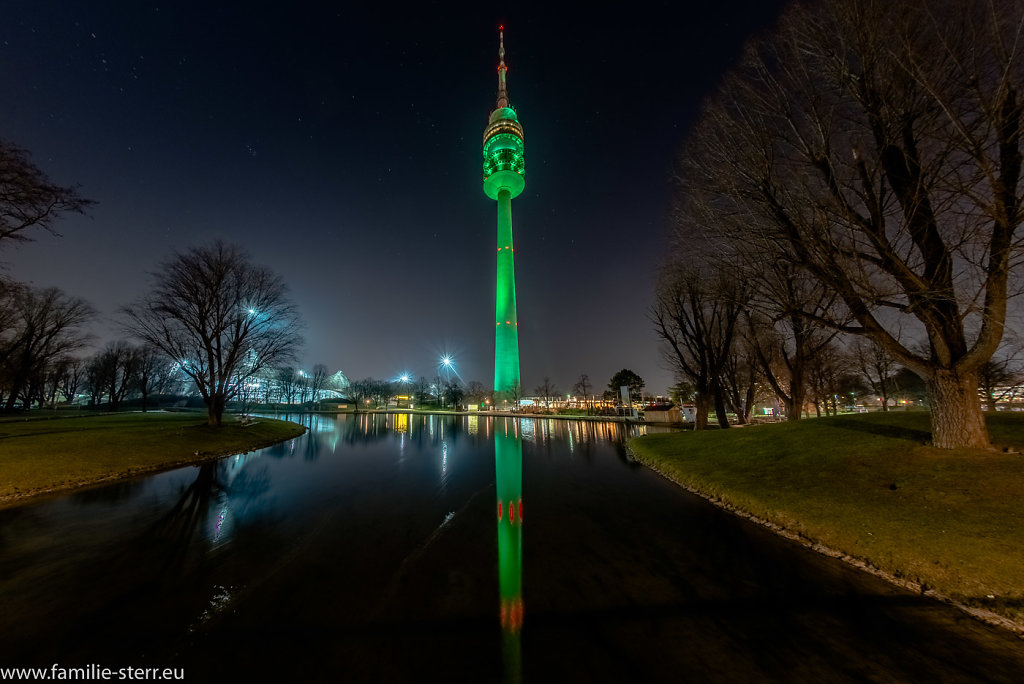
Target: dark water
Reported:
point(397, 548)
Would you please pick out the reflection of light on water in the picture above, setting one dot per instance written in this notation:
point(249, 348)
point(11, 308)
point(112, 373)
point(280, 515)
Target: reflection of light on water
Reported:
point(220, 526)
point(508, 467)
point(444, 467)
point(474, 426)
point(572, 443)
point(528, 429)
point(322, 423)
point(218, 602)
point(401, 423)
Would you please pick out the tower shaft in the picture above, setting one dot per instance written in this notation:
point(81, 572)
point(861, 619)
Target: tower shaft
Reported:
point(506, 338)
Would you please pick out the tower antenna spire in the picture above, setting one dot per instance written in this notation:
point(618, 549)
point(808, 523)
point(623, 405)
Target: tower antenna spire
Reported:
point(502, 69)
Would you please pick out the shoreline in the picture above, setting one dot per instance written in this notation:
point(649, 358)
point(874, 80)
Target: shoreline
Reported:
point(195, 459)
point(491, 414)
point(988, 617)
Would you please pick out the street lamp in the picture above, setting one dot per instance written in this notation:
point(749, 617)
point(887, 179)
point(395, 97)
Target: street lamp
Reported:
point(447, 365)
point(404, 379)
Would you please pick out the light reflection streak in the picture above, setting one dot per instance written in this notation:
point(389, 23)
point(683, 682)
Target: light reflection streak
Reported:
point(526, 427)
point(508, 468)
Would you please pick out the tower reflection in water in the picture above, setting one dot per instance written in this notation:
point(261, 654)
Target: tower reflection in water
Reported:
point(508, 467)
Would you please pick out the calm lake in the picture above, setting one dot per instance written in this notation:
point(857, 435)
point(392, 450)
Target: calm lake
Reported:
point(465, 549)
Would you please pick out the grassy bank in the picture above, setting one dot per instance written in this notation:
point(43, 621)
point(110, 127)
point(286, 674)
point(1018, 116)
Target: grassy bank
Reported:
point(39, 456)
point(868, 486)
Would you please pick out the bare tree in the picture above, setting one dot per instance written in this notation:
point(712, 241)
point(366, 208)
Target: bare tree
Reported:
point(998, 379)
point(786, 346)
point(285, 378)
point(42, 326)
point(546, 391)
point(477, 392)
point(583, 388)
point(71, 376)
point(876, 366)
point(247, 393)
point(437, 385)
point(318, 381)
point(115, 371)
point(740, 374)
point(53, 376)
point(877, 147)
point(302, 385)
point(513, 394)
point(421, 390)
point(153, 371)
point(28, 199)
point(453, 393)
point(94, 382)
point(223, 318)
point(828, 369)
point(695, 314)
point(381, 392)
point(360, 391)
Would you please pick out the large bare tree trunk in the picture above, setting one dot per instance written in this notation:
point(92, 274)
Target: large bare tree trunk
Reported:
point(215, 411)
point(720, 410)
point(957, 420)
point(797, 396)
point(702, 405)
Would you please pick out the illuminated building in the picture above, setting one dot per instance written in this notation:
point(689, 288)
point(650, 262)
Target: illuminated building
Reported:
point(503, 173)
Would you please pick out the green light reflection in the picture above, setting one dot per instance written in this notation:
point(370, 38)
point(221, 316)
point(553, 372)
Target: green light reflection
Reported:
point(508, 469)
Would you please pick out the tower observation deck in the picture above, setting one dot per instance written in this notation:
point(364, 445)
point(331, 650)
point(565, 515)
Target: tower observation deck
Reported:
point(504, 178)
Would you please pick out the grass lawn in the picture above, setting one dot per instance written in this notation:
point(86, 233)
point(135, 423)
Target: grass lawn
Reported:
point(39, 456)
point(867, 485)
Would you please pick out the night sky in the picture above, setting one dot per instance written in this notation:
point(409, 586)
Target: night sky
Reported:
point(340, 145)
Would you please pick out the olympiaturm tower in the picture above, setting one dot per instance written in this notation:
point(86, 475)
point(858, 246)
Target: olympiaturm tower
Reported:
point(504, 170)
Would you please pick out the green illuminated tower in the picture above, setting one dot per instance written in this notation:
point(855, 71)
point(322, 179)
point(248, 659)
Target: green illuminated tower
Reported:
point(504, 170)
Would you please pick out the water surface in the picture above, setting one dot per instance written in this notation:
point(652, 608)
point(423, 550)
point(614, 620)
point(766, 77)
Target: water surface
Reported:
point(398, 548)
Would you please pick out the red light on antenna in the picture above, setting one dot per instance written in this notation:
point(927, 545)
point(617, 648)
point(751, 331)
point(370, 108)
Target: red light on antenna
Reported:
point(501, 27)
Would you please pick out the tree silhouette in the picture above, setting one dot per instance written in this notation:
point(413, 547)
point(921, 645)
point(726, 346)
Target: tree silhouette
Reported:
point(222, 318)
